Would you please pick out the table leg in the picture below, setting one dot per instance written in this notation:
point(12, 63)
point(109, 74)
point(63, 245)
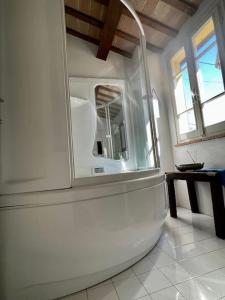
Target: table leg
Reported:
point(218, 207)
point(172, 198)
point(192, 196)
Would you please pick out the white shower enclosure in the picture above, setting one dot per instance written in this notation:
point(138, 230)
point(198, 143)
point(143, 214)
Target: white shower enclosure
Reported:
point(139, 129)
point(81, 195)
point(46, 144)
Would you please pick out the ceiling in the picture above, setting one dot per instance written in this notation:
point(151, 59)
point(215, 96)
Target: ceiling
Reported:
point(110, 26)
point(108, 95)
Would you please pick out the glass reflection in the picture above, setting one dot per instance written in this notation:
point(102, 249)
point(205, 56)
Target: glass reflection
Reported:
point(110, 139)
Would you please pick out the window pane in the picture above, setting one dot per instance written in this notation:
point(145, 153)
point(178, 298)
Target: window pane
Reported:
point(182, 89)
point(187, 122)
point(209, 75)
point(214, 111)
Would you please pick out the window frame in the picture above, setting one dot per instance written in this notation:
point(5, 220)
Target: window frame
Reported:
point(201, 131)
point(195, 133)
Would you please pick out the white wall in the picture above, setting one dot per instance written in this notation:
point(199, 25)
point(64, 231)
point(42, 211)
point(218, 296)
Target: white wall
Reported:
point(82, 61)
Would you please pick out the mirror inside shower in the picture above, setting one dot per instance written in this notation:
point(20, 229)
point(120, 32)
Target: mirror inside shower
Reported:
point(110, 138)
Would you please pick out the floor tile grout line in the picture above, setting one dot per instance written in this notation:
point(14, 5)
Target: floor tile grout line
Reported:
point(158, 268)
point(144, 286)
point(142, 282)
point(180, 292)
point(217, 269)
point(178, 246)
point(115, 290)
point(192, 256)
point(104, 286)
point(176, 238)
point(186, 259)
point(192, 276)
point(182, 226)
point(139, 282)
point(174, 285)
point(87, 294)
point(193, 242)
point(192, 230)
point(179, 262)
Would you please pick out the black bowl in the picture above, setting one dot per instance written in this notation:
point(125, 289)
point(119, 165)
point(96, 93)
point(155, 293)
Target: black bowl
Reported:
point(190, 167)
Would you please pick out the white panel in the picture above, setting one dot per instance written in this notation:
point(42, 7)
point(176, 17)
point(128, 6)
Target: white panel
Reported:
point(75, 239)
point(34, 143)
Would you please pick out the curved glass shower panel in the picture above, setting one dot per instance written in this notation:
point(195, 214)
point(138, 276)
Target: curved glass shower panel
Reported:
point(139, 118)
point(112, 119)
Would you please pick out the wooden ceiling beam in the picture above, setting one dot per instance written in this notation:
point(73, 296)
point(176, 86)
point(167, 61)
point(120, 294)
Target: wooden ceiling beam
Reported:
point(135, 40)
point(96, 41)
point(183, 5)
point(113, 15)
point(82, 36)
point(112, 110)
point(99, 98)
point(81, 16)
point(103, 98)
point(148, 21)
point(153, 23)
point(103, 2)
point(99, 24)
point(121, 52)
point(106, 96)
point(100, 102)
point(103, 87)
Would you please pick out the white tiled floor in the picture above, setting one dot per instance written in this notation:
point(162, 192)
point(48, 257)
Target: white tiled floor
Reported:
point(187, 263)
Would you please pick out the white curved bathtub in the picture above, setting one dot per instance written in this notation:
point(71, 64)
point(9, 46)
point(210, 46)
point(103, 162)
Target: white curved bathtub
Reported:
point(59, 242)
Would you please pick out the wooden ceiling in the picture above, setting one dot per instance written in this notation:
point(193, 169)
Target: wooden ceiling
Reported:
point(107, 94)
point(104, 94)
point(110, 26)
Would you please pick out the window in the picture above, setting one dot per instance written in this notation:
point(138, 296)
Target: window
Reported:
point(183, 94)
point(209, 74)
point(199, 102)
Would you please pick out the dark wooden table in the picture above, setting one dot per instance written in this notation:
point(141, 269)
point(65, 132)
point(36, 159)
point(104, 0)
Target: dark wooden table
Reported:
point(216, 193)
